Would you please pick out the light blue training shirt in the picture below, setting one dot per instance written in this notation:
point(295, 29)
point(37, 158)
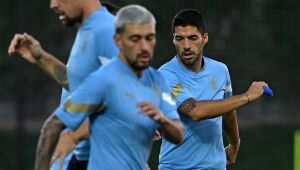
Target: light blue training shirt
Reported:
point(202, 147)
point(94, 46)
point(120, 136)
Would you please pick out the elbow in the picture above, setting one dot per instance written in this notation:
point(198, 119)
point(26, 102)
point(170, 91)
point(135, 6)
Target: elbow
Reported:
point(177, 139)
point(178, 135)
point(198, 115)
point(51, 127)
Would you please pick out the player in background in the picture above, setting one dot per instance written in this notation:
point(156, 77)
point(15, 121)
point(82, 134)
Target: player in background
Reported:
point(92, 48)
point(202, 90)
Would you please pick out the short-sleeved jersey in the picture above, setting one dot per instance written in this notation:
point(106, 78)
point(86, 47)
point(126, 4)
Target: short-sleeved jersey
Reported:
point(202, 146)
point(120, 136)
point(93, 46)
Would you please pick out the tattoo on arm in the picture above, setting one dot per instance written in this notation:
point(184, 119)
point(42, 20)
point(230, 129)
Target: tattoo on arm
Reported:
point(187, 106)
point(60, 73)
point(47, 141)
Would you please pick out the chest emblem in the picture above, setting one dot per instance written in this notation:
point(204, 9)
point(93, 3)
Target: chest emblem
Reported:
point(213, 83)
point(129, 95)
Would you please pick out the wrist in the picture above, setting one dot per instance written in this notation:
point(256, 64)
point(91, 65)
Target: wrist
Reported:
point(247, 97)
point(40, 55)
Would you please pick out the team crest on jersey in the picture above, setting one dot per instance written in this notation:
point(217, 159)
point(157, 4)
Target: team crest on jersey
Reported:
point(213, 83)
point(176, 90)
point(129, 95)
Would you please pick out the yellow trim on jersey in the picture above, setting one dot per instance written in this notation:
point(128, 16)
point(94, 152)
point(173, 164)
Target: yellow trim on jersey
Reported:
point(176, 90)
point(83, 108)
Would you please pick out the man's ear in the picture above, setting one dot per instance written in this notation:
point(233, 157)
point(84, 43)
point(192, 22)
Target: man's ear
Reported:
point(117, 39)
point(205, 38)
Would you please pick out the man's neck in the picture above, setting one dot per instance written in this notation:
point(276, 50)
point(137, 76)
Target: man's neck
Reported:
point(196, 67)
point(138, 73)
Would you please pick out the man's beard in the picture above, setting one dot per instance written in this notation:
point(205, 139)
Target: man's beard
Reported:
point(70, 22)
point(189, 62)
point(136, 66)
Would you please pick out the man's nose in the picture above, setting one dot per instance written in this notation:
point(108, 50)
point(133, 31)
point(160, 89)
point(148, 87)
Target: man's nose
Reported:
point(53, 4)
point(145, 45)
point(186, 44)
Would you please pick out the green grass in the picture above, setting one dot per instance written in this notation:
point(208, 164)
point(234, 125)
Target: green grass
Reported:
point(297, 150)
point(262, 148)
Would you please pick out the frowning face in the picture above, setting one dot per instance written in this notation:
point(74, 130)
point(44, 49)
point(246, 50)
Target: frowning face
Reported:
point(136, 43)
point(189, 44)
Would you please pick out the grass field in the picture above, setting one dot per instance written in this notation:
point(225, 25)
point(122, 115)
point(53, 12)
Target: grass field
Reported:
point(262, 148)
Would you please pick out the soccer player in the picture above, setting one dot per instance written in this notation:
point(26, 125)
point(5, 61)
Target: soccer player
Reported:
point(199, 85)
point(93, 47)
point(126, 100)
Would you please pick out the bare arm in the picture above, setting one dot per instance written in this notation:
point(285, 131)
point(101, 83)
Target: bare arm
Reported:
point(68, 141)
point(47, 141)
point(30, 49)
point(55, 68)
point(205, 109)
point(232, 131)
point(172, 130)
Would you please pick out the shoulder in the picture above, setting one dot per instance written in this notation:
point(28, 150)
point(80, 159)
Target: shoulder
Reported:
point(153, 75)
point(169, 66)
point(170, 70)
point(101, 24)
point(101, 74)
point(215, 64)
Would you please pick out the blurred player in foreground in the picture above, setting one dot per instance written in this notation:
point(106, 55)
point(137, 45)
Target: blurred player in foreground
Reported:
point(126, 107)
point(92, 48)
point(199, 85)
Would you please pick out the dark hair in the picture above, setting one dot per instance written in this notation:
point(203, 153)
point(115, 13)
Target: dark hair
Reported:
point(189, 17)
point(112, 8)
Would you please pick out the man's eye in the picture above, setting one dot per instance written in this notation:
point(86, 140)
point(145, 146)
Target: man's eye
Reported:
point(150, 38)
point(193, 38)
point(135, 39)
point(178, 38)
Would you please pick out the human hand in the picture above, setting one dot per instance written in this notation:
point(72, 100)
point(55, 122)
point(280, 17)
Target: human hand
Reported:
point(255, 90)
point(156, 136)
point(231, 153)
point(65, 145)
point(149, 109)
point(148, 167)
point(26, 46)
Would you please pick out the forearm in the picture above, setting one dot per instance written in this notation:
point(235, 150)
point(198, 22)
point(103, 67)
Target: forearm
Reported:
point(55, 68)
point(48, 138)
point(230, 126)
point(172, 130)
point(82, 132)
point(205, 109)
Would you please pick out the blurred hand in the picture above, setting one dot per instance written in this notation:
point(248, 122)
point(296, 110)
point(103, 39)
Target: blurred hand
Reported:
point(65, 145)
point(26, 46)
point(255, 90)
point(148, 167)
point(149, 109)
point(231, 153)
point(157, 136)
